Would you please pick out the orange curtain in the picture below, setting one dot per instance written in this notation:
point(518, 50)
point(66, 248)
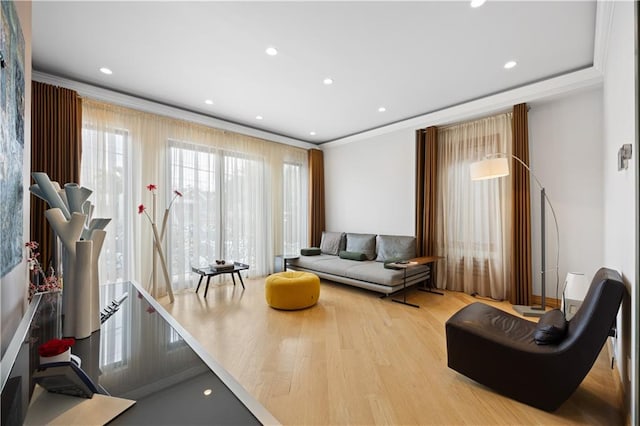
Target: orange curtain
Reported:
point(521, 237)
point(56, 149)
point(316, 197)
point(426, 180)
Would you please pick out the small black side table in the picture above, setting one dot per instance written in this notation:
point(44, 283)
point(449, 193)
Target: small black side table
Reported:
point(209, 272)
point(282, 261)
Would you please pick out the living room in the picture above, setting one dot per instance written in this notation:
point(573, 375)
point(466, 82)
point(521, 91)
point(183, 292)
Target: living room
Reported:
point(577, 123)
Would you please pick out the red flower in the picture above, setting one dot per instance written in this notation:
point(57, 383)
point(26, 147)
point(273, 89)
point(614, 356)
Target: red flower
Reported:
point(178, 193)
point(141, 209)
point(152, 187)
point(55, 346)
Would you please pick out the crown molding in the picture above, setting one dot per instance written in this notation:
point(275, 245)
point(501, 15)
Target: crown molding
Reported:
point(541, 91)
point(128, 101)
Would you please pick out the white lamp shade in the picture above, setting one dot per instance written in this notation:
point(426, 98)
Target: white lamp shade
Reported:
point(575, 286)
point(489, 168)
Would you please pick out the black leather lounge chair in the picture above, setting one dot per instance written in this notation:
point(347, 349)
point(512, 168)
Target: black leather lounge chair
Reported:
point(519, 358)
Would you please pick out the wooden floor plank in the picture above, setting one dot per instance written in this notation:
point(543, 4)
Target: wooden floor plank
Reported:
point(357, 359)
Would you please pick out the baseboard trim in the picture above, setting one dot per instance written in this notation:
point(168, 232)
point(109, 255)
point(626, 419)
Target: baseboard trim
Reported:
point(552, 303)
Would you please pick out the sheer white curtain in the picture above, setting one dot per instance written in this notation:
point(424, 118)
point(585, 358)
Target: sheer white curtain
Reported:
point(233, 205)
point(473, 224)
point(108, 150)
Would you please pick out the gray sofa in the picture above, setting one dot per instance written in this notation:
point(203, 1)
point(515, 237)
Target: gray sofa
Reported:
point(338, 251)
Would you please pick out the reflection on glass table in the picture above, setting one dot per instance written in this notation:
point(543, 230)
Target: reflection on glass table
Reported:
point(140, 353)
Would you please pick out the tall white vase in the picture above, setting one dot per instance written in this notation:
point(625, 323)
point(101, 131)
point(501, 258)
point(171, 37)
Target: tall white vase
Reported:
point(82, 238)
point(80, 293)
point(97, 236)
point(82, 325)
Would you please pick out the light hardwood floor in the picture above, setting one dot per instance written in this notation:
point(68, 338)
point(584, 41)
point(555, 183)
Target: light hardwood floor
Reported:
point(360, 360)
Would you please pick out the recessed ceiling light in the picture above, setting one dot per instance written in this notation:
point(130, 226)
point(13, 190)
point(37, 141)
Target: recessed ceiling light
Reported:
point(105, 70)
point(382, 109)
point(477, 3)
point(510, 65)
point(312, 133)
point(207, 392)
point(271, 51)
point(328, 81)
point(259, 117)
point(208, 102)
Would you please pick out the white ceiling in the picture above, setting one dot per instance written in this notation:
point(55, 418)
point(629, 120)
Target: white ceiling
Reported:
point(413, 58)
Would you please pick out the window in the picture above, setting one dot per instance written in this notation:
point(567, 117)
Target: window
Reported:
point(473, 227)
point(294, 213)
point(106, 170)
point(232, 184)
point(224, 213)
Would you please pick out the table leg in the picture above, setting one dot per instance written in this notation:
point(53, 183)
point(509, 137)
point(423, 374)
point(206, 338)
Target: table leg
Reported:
point(240, 276)
point(207, 287)
point(234, 279)
point(431, 286)
point(199, 282)
point(404, 292)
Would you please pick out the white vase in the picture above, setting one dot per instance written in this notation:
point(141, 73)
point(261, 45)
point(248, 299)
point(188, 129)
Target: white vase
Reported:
point(82, 238)
point(80, 292)
point(82, 308)
point(97, 236)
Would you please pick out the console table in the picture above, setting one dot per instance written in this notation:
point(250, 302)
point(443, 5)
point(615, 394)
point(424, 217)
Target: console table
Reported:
point(140, 353)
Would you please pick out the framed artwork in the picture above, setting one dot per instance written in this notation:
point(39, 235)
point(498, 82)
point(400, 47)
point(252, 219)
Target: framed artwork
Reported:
point(12, 102)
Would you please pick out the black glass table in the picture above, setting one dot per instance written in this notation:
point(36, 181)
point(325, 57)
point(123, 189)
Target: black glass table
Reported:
point(210, 271)
point(142, 353)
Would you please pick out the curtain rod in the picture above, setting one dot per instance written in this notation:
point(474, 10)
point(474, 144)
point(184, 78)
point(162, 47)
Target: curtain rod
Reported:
point(424, 130)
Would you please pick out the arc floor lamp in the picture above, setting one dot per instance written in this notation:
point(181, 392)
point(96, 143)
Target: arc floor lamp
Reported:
point(495, 166)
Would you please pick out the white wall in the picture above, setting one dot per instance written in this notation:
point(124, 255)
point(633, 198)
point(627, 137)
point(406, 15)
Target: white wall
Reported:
point(620, 188)
point(370, 185)
point(565, 145)
point(13, 286)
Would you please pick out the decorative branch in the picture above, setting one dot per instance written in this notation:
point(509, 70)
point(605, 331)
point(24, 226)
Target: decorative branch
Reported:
point(158, 237)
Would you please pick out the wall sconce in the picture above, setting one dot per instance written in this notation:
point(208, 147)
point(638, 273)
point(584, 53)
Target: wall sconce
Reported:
point(624, 155)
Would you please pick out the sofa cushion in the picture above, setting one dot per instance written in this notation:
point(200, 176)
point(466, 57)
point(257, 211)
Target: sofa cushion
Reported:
point(363, 243)
point(395, 247)
point(311, 251)
point(551, 328)
point(366, 271)
point(352, 255)
point(332, 242)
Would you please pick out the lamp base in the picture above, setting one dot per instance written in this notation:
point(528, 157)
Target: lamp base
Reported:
point(529, 311)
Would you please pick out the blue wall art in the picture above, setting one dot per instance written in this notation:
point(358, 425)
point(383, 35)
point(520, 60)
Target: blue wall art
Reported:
point(11, 137)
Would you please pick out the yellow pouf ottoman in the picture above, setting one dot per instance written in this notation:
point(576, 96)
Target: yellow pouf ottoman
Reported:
point(292, 290)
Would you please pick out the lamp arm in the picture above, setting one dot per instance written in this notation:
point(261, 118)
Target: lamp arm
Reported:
point(504, 154)
point(546, 197)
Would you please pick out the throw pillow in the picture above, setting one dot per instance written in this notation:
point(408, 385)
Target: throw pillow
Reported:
point(388, 262)
point(331, 243)
point(363, 243)
point(551, 328)
point(352, 255)
point(394, 247)
point(311, 251)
